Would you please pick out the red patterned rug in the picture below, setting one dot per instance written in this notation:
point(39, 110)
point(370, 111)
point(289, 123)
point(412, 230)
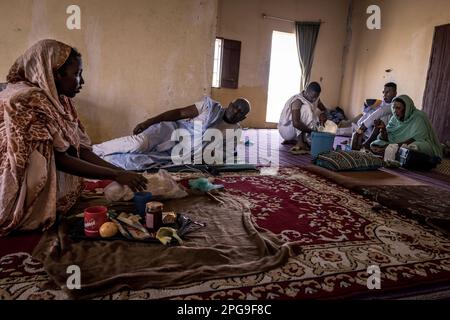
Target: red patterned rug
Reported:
point(339, 234)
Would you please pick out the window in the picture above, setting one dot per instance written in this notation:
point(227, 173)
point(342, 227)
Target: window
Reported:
point(284, 74)
point(227, 54)
point(217, 63)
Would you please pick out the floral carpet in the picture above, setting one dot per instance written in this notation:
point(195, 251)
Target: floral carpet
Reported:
point(336, 235)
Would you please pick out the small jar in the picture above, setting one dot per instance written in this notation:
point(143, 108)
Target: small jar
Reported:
point(153, 215)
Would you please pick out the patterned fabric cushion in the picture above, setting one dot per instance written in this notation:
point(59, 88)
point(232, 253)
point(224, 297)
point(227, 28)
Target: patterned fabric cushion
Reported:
point(349, 161)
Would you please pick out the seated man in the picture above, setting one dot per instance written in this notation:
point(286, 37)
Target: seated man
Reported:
point(366, 132)
point(300, 116)
point(153, 136)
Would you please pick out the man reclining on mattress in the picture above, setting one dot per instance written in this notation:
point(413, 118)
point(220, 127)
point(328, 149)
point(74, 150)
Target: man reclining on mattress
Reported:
point(154, 139)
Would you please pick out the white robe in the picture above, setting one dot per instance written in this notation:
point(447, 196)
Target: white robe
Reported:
point(309, 115)
point(383, 112)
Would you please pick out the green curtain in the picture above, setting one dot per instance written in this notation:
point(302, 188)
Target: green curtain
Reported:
point(306, 34)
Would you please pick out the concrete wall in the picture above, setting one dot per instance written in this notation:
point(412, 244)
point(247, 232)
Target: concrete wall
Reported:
point(403, 44)
point(242, 20)
point(141, 57)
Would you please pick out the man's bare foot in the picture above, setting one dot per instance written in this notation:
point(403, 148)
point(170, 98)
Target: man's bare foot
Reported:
point(307, 146)
point(289, 142)
point(357, 141)
point(297, 150)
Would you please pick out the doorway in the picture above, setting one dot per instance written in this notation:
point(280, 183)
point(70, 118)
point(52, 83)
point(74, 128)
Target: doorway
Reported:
point(284, 74)
point(436, 99)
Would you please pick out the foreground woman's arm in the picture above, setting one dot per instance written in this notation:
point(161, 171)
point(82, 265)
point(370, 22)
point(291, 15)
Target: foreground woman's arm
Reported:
point(88, 156)
point(79, 167)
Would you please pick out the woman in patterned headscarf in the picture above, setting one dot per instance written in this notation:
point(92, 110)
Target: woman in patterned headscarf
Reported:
point(43, 146)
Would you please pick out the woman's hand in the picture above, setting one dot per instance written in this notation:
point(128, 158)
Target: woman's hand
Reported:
point(140, 127)
point(407, 142)
point(134, 180)
point(380, 124)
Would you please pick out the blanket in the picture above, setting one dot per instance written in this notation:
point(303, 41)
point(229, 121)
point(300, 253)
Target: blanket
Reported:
point(229, 245)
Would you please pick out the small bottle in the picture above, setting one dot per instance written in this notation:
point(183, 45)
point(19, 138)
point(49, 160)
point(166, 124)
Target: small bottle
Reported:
point(153, 215)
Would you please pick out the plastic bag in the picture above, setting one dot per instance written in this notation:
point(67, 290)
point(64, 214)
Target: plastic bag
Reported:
point(204, 185)
point(161, 185)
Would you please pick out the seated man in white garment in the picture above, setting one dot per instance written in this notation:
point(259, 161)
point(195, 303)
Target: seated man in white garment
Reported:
point(153, 139)
point(300, 117)
point(366, 132)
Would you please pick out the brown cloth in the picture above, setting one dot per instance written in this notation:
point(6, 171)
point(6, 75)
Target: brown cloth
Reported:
point(230, 245)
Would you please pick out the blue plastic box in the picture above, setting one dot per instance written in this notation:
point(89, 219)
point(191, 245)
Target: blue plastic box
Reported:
point(321, 142)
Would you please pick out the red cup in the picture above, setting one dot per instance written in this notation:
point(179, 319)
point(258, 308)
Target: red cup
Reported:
point(94, 217)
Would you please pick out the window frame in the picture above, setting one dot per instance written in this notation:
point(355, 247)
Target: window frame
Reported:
point(230, 56)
